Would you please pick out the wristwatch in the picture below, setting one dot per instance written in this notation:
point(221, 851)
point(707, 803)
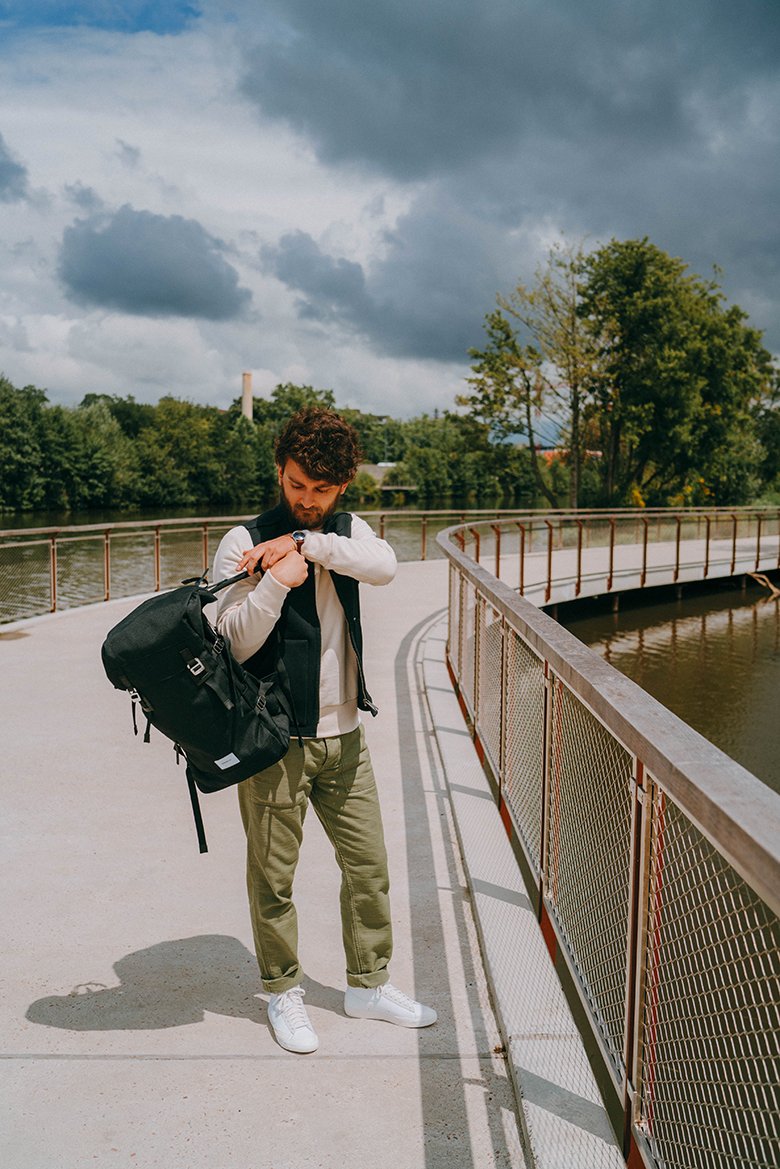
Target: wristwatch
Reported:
point(299, 537)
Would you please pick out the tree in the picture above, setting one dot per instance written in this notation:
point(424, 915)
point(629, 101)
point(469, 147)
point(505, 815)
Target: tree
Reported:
point(287, 399)
point(674, 378)
point(22, 476)
point(508, 388)
point(550, 311)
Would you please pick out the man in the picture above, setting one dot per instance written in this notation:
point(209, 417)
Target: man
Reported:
point(304, 609)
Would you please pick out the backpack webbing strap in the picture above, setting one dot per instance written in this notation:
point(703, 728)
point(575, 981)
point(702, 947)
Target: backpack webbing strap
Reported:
point(198, 818)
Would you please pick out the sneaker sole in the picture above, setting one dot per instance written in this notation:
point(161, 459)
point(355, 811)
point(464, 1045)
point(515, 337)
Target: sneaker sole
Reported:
point(378, 1018)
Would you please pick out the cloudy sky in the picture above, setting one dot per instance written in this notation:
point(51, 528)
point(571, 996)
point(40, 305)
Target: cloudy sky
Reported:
point(333, 191)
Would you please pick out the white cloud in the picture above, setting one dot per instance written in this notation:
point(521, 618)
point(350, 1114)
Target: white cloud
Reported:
point(626, 127)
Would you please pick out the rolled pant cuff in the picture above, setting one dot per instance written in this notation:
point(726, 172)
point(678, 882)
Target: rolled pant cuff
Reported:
point(280, 985)
point(368, 981)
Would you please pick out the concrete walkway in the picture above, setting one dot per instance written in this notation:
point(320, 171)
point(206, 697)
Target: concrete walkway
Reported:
point(131, 1029)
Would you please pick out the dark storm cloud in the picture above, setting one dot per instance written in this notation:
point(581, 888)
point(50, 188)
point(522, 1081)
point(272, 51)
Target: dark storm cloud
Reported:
point(596, 118)
point(150, 265)
point(13, 176)
point(428, 294)
point(416, 89)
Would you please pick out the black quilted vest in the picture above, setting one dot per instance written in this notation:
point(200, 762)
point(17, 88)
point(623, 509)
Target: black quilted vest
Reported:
point(297, 635)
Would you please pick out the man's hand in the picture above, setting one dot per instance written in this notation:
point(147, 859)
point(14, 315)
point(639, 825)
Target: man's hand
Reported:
point(290, 570)
point(268, 553)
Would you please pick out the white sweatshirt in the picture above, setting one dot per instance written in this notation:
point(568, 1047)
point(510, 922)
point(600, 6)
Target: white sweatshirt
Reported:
point(248, 611)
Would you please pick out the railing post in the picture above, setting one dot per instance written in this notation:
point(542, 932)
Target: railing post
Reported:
point(611, 576)
point(157, 573)
point(645, 527)
point(578, 586)
point(548, 588)
point(734, 545)
point(382, 526)
point(521, 528)
point(423, 536)
point(53, 572)
point(678, 521)
point(758, 543)
point(205, 547)
point(636, 933)
point(497, 533)
point(107, 565)
point(708, 520)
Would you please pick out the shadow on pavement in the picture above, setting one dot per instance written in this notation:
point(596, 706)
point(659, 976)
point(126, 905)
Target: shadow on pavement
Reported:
point(170, 984)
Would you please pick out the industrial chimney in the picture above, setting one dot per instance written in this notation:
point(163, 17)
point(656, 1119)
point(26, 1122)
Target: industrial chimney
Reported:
point(246, 396)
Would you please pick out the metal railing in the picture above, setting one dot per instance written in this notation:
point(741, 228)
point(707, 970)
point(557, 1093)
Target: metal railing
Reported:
point(45, 570)
point(652, 858)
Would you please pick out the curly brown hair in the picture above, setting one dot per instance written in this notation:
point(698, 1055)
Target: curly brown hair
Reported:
point(322, 443)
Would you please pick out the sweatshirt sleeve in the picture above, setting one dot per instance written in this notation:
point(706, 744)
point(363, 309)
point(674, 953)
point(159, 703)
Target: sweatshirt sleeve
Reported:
point(361, 555)
point(248, 610)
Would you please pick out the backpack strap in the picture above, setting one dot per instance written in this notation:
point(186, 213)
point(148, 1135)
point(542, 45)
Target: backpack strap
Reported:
point(196, 813)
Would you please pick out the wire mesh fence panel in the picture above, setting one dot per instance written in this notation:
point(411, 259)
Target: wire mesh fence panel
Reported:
point(489, 681)
point(182, 555)
point(522, 779)
point(709, 1095)
point(132, 563)
point(454, 622)
point(468, 602)
point(80, 570)
point(588, 852)
point(25, 579)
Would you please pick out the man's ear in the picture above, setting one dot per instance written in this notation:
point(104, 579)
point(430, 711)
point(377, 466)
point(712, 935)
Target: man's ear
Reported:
point(279, 473)
point(343, 488)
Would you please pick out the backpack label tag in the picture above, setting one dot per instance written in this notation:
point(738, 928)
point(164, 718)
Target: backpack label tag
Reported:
point(227, 761)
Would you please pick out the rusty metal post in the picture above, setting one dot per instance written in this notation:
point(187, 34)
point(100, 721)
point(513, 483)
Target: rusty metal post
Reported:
point(548, 587)
point(423, 536)
point(578, 586)
point(107, 565)
point(708, 521)
point(645, 527)
point(382, 526)
point(758, 542)
point(53, 572)
point(734, 545)
point(678, 521)
point(497, 533)
point(157, 573)
point(610, 578)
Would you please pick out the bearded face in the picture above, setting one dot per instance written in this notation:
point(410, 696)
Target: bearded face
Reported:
point(309, 502)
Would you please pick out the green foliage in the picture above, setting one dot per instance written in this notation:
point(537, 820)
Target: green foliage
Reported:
point(663, 394)
point(675, 381)
point(22, 475)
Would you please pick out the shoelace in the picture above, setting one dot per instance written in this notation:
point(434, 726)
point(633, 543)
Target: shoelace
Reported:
point(397, 996)
point(292, 1008)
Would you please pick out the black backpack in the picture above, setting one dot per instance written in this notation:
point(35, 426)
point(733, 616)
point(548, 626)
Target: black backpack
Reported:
point(227, 723)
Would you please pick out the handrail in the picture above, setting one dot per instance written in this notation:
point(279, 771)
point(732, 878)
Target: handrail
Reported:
point(653, 859)
point(719, 795)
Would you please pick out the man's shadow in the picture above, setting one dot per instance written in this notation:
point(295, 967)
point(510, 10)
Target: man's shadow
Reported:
point(170, 984)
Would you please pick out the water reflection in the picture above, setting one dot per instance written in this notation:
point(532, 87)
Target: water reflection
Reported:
point(713, 660)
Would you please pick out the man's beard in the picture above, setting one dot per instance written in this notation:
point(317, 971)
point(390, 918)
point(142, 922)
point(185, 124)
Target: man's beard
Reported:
point(309, 518)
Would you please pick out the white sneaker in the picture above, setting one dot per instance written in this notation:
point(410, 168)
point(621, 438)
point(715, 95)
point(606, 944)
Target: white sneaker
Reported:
point(389, 1004)
point(291, 1024)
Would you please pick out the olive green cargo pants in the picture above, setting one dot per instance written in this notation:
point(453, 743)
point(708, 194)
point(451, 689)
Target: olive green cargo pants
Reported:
point(336, 775)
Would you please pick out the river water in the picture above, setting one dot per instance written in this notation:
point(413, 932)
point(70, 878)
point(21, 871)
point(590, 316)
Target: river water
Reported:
point(712, 659)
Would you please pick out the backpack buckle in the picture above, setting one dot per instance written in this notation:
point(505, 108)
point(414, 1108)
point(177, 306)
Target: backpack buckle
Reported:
point(196, 667)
